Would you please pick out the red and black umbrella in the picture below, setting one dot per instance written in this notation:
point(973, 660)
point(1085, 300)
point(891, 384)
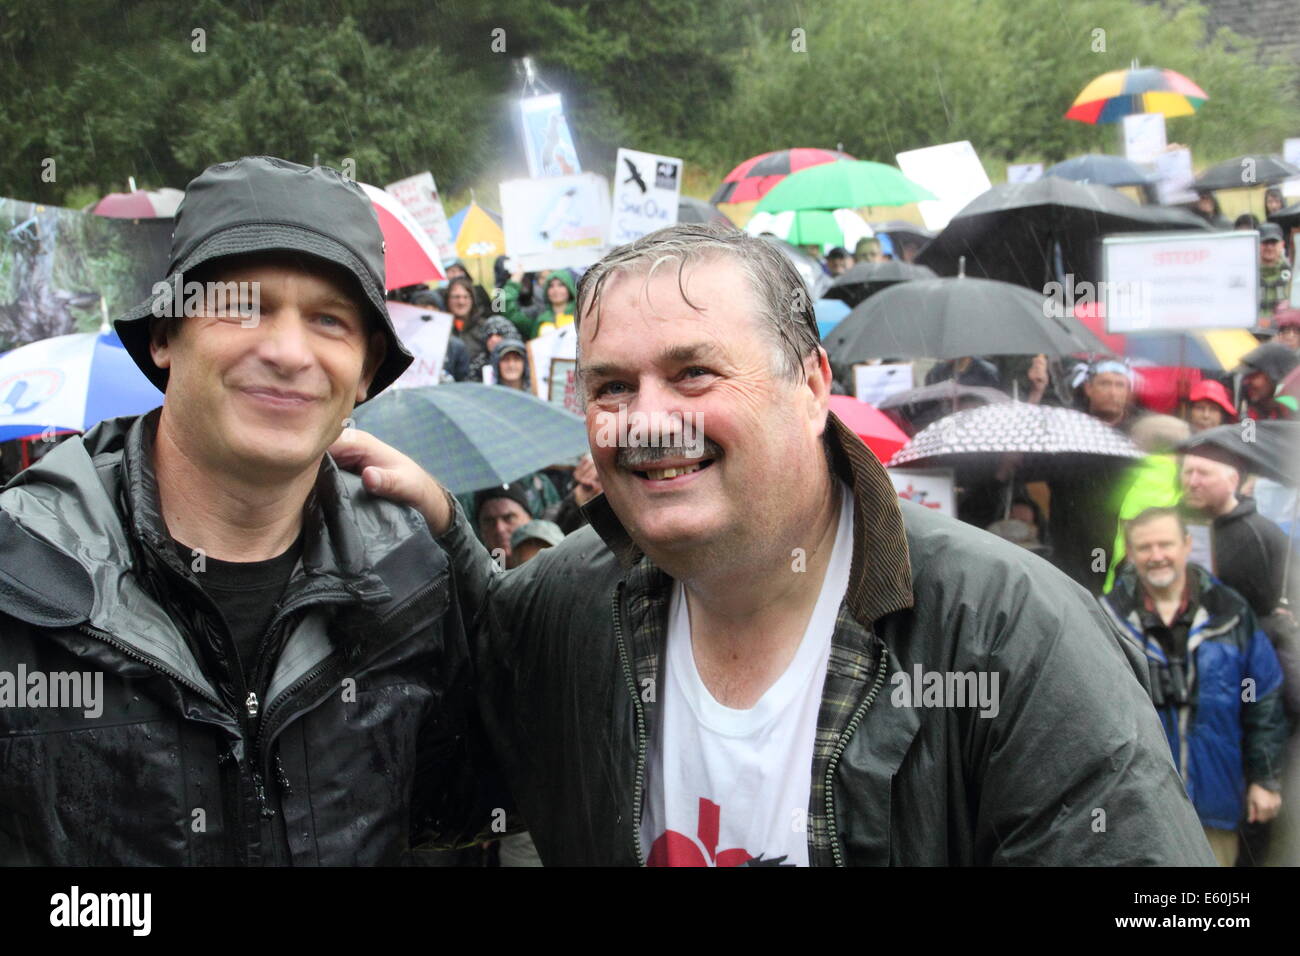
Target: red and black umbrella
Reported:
point(755, 176)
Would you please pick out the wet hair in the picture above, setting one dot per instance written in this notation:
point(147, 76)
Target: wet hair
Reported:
point(785, 306)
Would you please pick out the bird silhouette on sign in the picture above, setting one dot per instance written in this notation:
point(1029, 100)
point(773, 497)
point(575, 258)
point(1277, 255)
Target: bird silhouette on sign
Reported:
point(636, 175)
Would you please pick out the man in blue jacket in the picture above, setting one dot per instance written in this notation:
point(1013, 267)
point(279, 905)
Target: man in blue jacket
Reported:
point(1215, 680)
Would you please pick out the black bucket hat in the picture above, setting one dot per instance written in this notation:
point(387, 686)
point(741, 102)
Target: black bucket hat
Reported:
point(263, 204)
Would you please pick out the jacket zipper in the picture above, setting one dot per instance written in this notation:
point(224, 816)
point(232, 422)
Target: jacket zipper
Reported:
point(833, 827)
point(640, 728)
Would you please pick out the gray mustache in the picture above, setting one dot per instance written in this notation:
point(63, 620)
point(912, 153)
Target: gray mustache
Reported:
point(636, 455)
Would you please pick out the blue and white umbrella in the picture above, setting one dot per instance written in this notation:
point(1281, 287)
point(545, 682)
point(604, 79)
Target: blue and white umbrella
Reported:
point(70, 383)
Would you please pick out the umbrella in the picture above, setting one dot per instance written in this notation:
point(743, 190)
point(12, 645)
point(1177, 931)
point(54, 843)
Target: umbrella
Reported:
point(1112, 96)
point(812, 227)
point(1288, 217)
point(70, 383)
point(473, 436)
point(1274, 453)
point(140, 204)
point(1009, 231)
point(697, 210)
point(809, 269)
point(410, 257)
point(480, 240)
point(875, 429)
point(458, 218)
point(1213, 350)
point(829, 313)
point(951, 318)
point(867, 278)
point(1103, 171)
point(1050, 440)
point(755, 176)
point(1247, 172)
point(900, 227)
point(844, 184)
point(916, 408)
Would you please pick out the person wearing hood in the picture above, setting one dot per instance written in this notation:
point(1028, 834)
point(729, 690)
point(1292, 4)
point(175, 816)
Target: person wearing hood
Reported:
point(559, 291)
point(510, 364)
point(1264, 369)
point(246, 668)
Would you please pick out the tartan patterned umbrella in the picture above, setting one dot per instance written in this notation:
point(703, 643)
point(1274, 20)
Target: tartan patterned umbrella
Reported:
point(471, 436)
point(1050, 440)
point(755, 176)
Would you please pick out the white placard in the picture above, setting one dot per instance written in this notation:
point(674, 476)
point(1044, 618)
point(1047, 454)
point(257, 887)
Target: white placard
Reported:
point(646, 190)
point(930, 488)
point(875, 383)
point(1144, 136)
point(1170, 282)
point(952, 172)
point(424, 332)
point(548, 144)
point(1291, 153)
point(1174, 167)
point(419, 194)
point(555, 223)
point(1024, 172)
point(560, 344)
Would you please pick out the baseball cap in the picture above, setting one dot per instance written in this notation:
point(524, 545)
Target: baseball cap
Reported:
point(1270, 232)
point(264, 204)
point(515, 491)
point(545, 531)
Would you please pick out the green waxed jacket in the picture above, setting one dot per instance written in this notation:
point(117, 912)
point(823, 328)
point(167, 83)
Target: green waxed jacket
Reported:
point(1073, 769)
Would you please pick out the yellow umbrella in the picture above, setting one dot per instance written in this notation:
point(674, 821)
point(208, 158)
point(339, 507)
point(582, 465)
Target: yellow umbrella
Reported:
point(480, 240)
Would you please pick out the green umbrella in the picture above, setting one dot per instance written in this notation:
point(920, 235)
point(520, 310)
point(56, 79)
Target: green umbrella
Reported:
point(847, 183)
point(815, 227)
point(471, 436)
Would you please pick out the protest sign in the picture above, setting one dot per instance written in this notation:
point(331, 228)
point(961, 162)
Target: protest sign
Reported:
point(419, 195)
point(556, 223)
point(548, 144)
point(952, 172)
point(561, 344)
point(646, 190)
point(1291, 153)
point(875, 383)
point(1174, 167)
point(1144, 136)
point(930, 488)
point(1024, 172)
point(424, 332)
point(1172, 282)
point(562, 388)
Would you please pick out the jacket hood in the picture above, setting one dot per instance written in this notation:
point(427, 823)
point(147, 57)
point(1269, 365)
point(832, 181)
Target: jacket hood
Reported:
point(880, 578)
point(565, 276)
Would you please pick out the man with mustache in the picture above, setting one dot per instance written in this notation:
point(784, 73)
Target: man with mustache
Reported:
point(1215, 679)
point(755, 654)
point(284, 670)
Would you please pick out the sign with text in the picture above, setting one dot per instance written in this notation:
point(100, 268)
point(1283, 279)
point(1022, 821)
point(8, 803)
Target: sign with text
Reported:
point(1144, 136)
point(419, 194)
point(424, 332)
point(875, 383)
point(1174, 166)
point(542, 353)
point(931, 488)
point(556, 223)
point(1172, 282)
point(646, 190)
point(952, 171)
point(548, 144)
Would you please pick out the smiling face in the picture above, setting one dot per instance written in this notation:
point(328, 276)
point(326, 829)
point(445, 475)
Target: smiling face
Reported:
point(557, 294)
point(269, 398)
point(663, 363)
point(1159, 551)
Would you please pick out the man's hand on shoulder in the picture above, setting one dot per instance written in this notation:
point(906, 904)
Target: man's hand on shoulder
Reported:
point(388, 473)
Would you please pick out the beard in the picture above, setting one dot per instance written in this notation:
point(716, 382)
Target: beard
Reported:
point(1161, 577)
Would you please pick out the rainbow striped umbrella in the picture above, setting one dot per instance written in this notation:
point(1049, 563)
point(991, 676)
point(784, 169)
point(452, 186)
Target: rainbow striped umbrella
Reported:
point(1112, 96)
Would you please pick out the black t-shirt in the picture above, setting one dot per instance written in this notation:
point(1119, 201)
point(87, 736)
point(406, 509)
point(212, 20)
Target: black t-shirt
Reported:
point(246, 592)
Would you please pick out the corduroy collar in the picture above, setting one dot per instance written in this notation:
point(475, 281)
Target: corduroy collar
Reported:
point(880, 580)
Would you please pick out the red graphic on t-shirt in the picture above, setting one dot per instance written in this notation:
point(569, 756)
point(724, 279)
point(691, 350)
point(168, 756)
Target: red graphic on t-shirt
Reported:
point(677, 849)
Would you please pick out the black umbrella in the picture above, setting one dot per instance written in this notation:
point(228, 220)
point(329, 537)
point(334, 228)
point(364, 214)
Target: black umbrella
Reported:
point(951, 318)
point(916, 408)
point(1010, 232)
point(697, 210)
point(1273, 452)
point(1103, 170)
point(867, 278)
point(1287, 217)
point(1247, 172)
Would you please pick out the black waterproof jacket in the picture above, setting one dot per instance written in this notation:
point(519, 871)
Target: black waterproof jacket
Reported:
point(360, 740)
point(1073, 767)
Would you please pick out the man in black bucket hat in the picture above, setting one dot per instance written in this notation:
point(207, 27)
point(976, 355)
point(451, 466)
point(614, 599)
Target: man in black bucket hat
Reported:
point(242, 657)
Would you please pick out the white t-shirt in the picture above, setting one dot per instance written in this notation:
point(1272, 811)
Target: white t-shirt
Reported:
point(725, 786)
